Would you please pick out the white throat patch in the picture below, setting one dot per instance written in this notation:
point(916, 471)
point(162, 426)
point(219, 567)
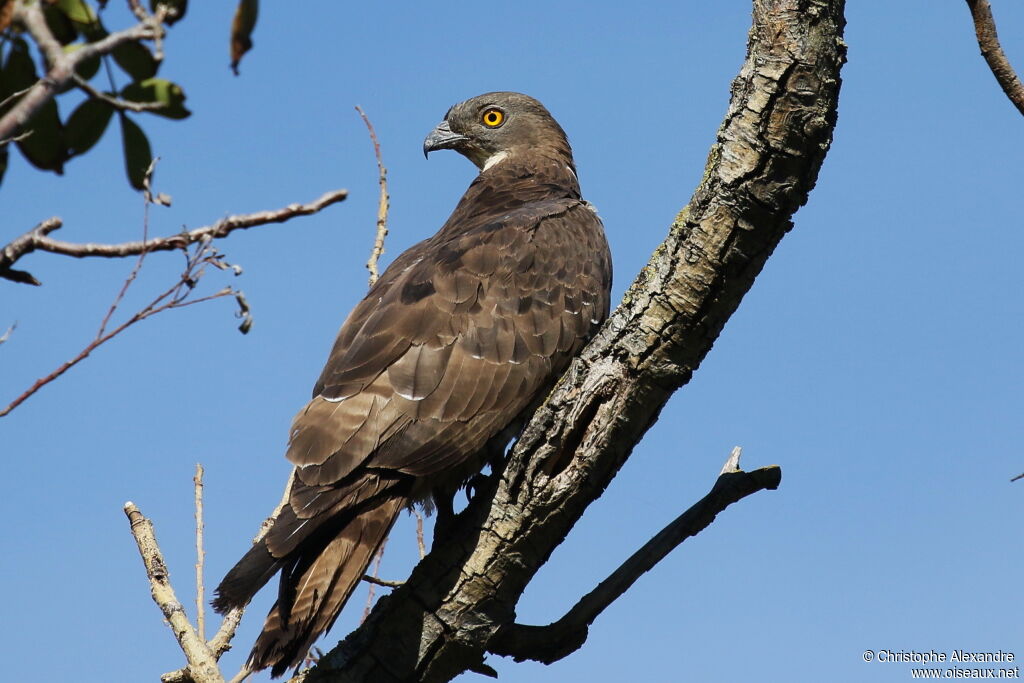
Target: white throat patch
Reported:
point(494, 160)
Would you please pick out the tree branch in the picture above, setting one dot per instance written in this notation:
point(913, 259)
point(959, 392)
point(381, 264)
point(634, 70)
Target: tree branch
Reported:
point(202, 665)
point(764, 163)
point(115, 102)
point(221, 642)
point(550, 643)
point(382, 203)
point(37, 238)
point(992, 51)
point(197, 482)
point(174, 297)
point(63, 65)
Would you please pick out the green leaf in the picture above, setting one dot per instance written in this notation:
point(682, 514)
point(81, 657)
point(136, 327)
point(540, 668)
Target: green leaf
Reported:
point(137, 153)
point(60, 24)
point(44, 144)
point(77, 11)
point(180, 7)
point(136, 60)
point(159, 90)
point(19, 70)
point(44, 147)
point(86, 125)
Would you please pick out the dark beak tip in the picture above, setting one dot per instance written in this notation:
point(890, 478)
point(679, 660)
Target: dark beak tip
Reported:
point(442, 137)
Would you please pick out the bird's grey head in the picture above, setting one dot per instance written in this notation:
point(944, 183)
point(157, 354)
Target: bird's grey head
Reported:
point(488, 128)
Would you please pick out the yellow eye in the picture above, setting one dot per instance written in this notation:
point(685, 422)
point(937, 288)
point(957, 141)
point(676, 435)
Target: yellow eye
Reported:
point(493, 118)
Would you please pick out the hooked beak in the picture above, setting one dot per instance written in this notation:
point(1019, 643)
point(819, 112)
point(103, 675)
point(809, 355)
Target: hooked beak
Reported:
point(442, 137)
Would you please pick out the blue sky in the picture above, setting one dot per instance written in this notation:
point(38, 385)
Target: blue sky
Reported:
point(878, 358)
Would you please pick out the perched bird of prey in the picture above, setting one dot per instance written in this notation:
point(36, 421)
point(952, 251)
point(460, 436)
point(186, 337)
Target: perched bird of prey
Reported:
point(457, 338)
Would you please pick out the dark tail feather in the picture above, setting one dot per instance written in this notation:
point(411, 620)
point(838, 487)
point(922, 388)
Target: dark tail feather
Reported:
point(318, 586)
point(247, 576)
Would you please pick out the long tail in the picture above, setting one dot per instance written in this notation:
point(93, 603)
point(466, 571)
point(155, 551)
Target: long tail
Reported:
point(316, 581)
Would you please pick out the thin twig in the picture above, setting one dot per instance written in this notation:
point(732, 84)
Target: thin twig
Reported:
point(419, 532)
point(373, 580)
point(115, 102)
point(992, 51)
point(221, 642)
point(173, 297)
point(1019, 476)
point(371, 265)
point(376, 581)
point(382, 204)
point(37, 239)
point(202, 666)
point(7, 335)
point(197, 481)
point(138, 10)
point(24, 135)
point(146, 201)
point(13, 96)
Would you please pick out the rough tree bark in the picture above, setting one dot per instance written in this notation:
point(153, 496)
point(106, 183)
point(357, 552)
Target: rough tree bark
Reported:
point(459, 603)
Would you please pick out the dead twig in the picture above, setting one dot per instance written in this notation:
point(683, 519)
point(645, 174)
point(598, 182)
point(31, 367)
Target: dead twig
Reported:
point(175, 296)
point(202, 665)
point(115, 102)
point(221, 641)
point(419, 532)
point(382, 204)
point(37, 238)
point(197, 481)
point(17, 138)
point(992, 51)
point(376, 581)
point(373, 580)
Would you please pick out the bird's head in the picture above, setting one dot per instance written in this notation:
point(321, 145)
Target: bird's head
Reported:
point(489, 128)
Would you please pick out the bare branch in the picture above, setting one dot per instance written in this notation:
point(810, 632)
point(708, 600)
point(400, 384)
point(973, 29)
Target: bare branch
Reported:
point(36, 238)
point(174, 297)
point(10, 98)
point(23, 245)
point(7, 335)
point(115, 102)
point(138, 10)
point(146, 201)
point(1019, 476)
point(62, 65)
point(419, 533)
point(197, 481)
point(202, 666)
point(373, 580)
point(382, 204)
point(376, 581)
point(992, 51)
point(552, 642)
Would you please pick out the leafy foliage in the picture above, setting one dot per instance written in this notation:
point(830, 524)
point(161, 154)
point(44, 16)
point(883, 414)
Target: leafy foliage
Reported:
point(47, 140)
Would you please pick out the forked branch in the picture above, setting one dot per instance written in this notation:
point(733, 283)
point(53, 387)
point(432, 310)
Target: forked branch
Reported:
point(550, 643)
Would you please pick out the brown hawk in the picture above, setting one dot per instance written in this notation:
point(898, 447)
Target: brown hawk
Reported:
point(459, 336)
